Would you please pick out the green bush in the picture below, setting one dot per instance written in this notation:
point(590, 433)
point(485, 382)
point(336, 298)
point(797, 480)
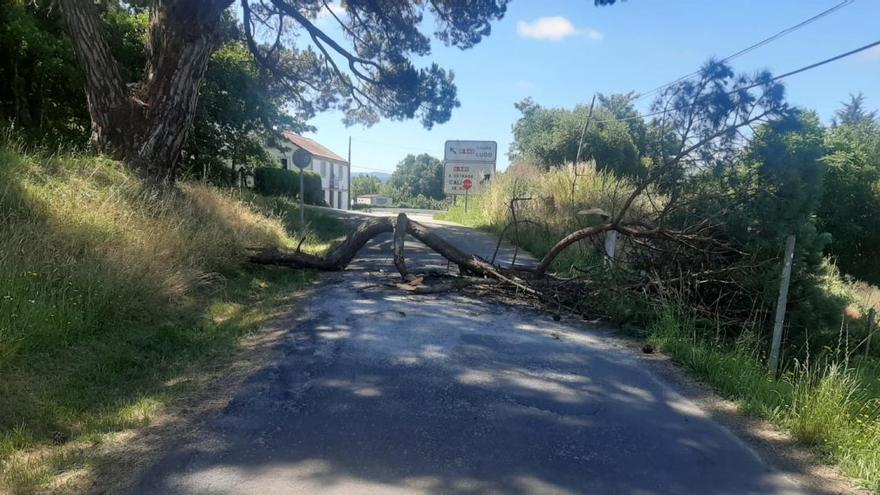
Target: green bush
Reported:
point(279, 182)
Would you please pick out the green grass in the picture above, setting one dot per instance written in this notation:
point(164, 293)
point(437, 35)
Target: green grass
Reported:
point(832, 406)
point(112, 292)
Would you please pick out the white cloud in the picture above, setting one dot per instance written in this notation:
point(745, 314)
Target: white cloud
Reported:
point(870, 54)
point(555, 28)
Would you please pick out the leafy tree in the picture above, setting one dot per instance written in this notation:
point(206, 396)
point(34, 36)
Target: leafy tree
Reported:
point(620, 106)
point(365, 184)
point(850, 207)
point(771, 189)
point(785, 157)
point(39, 81)
point(238, 103)
point(853, 112)
point(418, 175)
point(367, 73)
point(785, 164)
point(730, 158)
point(238, 107)
point(550, 137)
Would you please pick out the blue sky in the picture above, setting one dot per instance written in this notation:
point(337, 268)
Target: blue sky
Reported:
point(560, 52)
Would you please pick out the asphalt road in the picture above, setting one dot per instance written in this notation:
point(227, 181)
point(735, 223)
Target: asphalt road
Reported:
point(378, 391)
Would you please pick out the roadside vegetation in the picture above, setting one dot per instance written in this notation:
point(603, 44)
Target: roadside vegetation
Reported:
point(115, 291)
point(115, 297)
point(417, 182)
point(823, 183)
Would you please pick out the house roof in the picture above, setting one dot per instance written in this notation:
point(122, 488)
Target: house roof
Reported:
point(312, 146)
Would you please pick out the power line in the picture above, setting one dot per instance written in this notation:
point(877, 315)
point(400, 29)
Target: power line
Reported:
point(744, 88)
point(755, 46)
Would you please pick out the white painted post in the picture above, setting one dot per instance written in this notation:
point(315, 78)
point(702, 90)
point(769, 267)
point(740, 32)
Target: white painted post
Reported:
point(610, 247)
point(773, 361)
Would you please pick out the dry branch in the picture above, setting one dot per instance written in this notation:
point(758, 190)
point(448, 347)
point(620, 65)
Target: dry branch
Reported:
point(399, 239)
point(337, 259)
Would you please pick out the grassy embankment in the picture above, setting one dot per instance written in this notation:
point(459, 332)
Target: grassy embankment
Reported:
point(833, 405)
point(115, 299)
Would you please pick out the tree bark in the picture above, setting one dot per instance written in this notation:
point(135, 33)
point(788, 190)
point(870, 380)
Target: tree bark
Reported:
point(183, 35)
point(337, 259)
point(400, 227)
point(105, 90)
point(568, 240)
point(147, 128)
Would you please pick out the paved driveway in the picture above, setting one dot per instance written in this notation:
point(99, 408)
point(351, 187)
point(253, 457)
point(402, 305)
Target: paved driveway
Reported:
point(378, 391)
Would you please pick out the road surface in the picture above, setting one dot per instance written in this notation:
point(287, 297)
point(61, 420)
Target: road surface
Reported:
point(378, 391)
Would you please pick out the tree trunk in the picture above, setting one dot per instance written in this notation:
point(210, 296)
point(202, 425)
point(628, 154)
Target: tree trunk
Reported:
point(398, 245)
point(337, 259)
point(182, 37)
point(148, 127)
point(105, 90)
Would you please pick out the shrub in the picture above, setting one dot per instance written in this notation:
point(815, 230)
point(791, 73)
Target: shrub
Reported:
point(280, 182)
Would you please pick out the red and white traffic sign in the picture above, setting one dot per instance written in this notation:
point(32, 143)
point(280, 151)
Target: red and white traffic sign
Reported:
point(477, 175)
point(469, 166)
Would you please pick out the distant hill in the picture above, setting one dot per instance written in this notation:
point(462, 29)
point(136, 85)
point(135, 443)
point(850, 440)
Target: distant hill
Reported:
point(382, 176)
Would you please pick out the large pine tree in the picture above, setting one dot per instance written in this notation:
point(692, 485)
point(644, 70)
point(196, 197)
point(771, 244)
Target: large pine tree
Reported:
point(366, 72)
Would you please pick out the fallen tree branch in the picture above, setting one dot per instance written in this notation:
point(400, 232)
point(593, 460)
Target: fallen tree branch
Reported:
point(397, 246)
point(337, 259)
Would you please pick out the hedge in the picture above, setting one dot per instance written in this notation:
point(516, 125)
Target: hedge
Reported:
point(279, 182)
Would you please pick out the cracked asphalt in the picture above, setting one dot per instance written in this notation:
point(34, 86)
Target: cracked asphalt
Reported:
point(379, 391)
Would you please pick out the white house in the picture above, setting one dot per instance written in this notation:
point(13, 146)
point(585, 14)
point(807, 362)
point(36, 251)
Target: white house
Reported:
point(334, 170)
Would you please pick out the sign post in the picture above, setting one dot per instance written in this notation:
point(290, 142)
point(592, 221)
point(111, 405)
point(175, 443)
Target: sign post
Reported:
point(471, 162)
point(466, 185)
point(302, 159)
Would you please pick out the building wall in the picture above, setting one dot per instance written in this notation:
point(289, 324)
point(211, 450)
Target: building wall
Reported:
point(324, 167)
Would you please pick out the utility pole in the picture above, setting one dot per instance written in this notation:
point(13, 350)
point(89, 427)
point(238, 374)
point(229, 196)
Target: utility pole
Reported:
point(577, 158)
point(773, 362)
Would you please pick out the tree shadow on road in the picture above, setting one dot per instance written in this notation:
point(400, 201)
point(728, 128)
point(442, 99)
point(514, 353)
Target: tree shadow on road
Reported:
point(381, 392)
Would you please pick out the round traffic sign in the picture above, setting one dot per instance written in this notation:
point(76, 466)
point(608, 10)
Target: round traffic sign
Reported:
point(302, 158)
point(466, 184)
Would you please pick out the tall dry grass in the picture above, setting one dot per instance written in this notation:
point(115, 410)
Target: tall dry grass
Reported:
point(558, 197)
point(111, 289)
point(80, 232)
